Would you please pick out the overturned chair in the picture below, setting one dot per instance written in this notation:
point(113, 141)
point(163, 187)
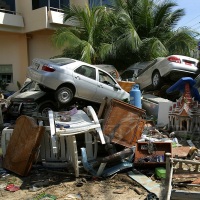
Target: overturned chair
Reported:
point(81, 122)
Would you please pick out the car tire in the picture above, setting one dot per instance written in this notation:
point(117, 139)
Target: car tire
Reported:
point(43, 109)
point(44, 89)
point(156, 80)
point(64, 95)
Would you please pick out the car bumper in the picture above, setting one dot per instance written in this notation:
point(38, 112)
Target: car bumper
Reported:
point(43, 78)
point(20, 108)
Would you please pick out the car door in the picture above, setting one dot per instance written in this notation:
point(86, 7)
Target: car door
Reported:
point(106, 87)
point(85, 81)
point(145, 75)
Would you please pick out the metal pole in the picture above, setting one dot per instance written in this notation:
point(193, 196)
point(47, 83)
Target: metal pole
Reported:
point(48, 4)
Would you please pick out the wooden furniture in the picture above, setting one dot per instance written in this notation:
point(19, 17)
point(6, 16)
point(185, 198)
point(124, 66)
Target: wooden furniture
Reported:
point(23, 146)
point(181, 167)
point(123, 123)
point(151, 153)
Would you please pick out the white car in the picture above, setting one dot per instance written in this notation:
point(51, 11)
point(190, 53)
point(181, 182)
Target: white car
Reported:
point(167, 69)
point(70, 78)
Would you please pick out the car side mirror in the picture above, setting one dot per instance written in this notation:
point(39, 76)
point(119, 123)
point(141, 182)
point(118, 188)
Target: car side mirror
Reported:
point(134, 77)
point(117, 87)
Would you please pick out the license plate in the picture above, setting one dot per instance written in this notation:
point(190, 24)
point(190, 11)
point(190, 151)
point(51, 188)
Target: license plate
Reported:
point(36, 65)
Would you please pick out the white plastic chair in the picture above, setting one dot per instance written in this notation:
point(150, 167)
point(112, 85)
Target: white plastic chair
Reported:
point(81, 123)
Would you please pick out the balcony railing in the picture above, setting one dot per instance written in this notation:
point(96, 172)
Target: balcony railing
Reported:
point(9, 11)
point(56, 9)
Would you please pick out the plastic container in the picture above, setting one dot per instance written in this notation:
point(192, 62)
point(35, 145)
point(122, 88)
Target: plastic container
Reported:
point(135, 96)
point(160, 172)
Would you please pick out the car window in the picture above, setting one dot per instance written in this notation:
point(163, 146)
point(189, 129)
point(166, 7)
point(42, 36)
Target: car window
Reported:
point(128, 75)
point(87, 71)
point(62, 61)
point(106, 79)
point(148, 65)
point(28, 86)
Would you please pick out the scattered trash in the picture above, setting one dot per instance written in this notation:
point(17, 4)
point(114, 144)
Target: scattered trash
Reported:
point(44, 196)
point(143, 143)
point(152, 196)
point(12, 188)
point(72, 196)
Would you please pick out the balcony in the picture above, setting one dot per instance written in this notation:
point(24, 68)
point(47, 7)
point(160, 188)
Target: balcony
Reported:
point(56, 16)
point(11, 18)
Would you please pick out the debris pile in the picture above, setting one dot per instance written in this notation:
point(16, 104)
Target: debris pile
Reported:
point(120, 138)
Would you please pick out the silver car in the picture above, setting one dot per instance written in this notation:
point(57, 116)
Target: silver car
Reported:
point(167, 69)
point(70, 78)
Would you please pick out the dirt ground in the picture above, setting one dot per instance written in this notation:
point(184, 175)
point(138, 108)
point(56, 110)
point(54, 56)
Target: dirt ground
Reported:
point(63, 185)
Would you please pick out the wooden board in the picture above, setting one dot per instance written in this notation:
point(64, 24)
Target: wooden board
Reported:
point(23, 145)
point(123, 123)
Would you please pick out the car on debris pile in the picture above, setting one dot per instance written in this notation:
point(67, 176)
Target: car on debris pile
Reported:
point(125, 85)
point(68, 79)
point(165, 69)
point(132, 72)
point(111, 70)
point(29, 100)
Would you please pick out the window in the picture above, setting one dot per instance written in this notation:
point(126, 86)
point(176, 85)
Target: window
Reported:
point(87, 71)
point(100, 3)
point(128, 75)
point(60, 4)
point(106, 79)
point(8, 4)
point(6, 73)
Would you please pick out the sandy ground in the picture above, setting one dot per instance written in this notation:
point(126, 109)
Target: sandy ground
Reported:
point(64, 186)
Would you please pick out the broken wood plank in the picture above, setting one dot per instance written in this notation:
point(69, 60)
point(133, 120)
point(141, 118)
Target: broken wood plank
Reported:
point(182, 195)
point(186, 184)
point(146, 182)
point(188, 175)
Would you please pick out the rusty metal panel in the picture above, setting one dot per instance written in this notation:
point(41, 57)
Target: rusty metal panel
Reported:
point(123, 123)
point(181, 152)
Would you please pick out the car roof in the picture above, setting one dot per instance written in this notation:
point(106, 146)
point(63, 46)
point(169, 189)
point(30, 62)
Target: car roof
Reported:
point(62, 61)
point(105, 67)
point(140, 65)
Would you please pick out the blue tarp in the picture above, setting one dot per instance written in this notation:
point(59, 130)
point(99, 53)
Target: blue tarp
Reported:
point(180, 86)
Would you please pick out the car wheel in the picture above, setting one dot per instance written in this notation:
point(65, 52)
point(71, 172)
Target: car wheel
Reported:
point(156, 80)
point(64, 95)
point(45, 108)
point(44, 89)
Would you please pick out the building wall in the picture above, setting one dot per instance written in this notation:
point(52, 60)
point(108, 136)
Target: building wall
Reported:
point(31, 39)
point(79, 3)
point(33, 19)
point(40, 46)
point(14, 52)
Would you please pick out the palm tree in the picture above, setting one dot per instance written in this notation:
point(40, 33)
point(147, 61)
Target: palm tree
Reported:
point(83, 41)
point(134, 30)
point(153, 23)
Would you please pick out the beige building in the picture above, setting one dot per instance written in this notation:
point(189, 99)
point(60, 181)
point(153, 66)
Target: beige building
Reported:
point(26, 27)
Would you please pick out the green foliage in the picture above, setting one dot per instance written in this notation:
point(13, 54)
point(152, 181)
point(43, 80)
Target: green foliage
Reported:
point(132, 31)
point(18, 85)
point(3, 85)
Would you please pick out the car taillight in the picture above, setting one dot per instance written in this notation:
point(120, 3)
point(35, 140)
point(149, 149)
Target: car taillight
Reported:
point(48, 68)
point(174, 59)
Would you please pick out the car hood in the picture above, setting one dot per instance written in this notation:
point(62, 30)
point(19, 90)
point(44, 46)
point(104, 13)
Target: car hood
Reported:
point(30, 95)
